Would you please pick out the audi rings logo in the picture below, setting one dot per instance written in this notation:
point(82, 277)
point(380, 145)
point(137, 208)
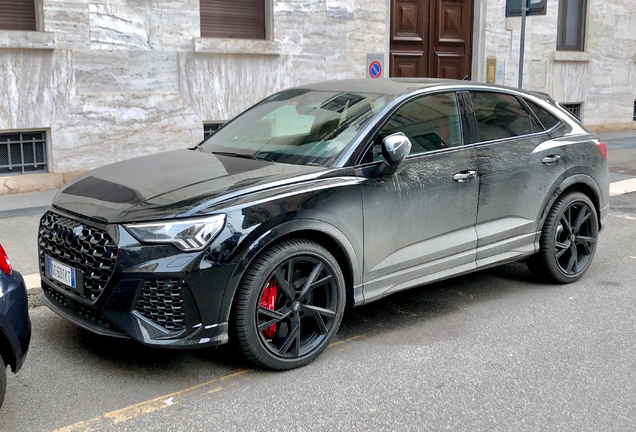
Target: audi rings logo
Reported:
point(66, 234)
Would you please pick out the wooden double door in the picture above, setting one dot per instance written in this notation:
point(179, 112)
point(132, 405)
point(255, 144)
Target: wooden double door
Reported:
point(431, 38)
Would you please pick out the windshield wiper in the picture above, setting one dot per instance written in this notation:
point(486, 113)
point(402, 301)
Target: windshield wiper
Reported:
point(239, 155)
point(257, 156)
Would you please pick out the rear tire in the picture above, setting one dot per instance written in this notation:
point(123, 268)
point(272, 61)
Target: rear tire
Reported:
point(289, 305)
point(568, 240)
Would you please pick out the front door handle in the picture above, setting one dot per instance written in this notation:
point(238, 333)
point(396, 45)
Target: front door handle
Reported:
point(464, 176)
point(551, 160)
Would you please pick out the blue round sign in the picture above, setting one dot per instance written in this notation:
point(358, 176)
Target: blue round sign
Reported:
point(375, 69)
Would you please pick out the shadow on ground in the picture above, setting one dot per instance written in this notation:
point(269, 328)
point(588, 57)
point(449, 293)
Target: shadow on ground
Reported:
point(392, 313)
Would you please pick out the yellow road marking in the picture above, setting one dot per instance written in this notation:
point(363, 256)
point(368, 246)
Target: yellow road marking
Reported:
point(152, 405)
point(624, 217)
point(399, 310)
point(343, 341)
point(141, 408)
point(214, 390)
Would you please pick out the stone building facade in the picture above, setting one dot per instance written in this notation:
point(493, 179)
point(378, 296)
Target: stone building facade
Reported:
point(601, 77)
point(108, 80)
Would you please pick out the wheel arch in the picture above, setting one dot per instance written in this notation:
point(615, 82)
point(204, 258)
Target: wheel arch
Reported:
point(578, 183)
point(319, 232)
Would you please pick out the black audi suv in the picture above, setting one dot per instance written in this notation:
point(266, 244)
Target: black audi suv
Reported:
point(318, 197)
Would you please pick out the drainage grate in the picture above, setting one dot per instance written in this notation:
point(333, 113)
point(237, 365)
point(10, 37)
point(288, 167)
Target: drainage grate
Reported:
point(210, 128)
point(23, 152)
point(574, 108)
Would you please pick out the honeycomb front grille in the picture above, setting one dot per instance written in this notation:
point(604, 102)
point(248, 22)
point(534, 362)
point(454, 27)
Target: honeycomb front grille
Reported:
point(86, 248)
point(161, 301)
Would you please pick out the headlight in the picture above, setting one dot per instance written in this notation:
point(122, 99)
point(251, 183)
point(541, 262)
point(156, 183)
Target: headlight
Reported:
point(188, 235)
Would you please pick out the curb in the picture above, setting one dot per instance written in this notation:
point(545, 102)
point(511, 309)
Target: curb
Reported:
point(33, 287)
point(622, 187)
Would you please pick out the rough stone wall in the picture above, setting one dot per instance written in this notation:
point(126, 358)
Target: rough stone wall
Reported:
point(116, 79)
point(603, 77)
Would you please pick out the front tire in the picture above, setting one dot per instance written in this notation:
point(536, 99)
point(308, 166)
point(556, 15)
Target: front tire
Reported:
point(289, 305)
point(568, 240)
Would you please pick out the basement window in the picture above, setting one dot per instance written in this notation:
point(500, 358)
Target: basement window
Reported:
point(634, 110)
point(210, 128)
point(573, 108)
point(23, 153)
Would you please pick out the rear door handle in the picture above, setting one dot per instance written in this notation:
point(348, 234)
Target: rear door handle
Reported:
point(464, 176)
point(551, 160)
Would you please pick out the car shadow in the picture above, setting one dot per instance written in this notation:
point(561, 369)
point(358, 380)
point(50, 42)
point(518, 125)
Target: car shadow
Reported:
point(432, 301)
point(392, 313)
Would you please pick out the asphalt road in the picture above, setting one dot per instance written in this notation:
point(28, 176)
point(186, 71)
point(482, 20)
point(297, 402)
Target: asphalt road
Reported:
point(621, 148)
point(19, 238)
point(489, 351)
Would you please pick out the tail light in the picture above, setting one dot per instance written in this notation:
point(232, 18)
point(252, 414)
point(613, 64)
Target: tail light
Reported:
point(603, 149)
point(5, 264)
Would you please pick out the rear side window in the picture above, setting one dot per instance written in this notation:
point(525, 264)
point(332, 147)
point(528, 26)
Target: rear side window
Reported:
point(547, 120)
point(501, 116)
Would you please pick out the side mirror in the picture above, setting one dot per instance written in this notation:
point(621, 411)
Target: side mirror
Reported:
point(395, 148)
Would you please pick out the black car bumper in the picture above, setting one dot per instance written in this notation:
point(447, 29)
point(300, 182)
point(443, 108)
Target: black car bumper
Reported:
point(140, 329)
point(14, 318)
point(156, 295)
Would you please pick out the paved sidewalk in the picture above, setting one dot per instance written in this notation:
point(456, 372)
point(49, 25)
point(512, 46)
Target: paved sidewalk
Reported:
point(13, 205)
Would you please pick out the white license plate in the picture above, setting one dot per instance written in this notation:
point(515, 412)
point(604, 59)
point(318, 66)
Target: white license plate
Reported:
point(62, 273)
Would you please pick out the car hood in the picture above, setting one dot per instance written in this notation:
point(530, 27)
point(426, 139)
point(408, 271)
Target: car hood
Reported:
point(168, 184)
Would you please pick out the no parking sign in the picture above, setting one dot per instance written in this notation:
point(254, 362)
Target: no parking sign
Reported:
point(375, 66)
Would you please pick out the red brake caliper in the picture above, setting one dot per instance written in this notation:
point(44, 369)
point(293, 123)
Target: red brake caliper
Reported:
point(268, 301)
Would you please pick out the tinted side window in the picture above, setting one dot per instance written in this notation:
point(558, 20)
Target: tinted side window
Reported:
point(500, 116)
point(431, 122)
point(547, 119)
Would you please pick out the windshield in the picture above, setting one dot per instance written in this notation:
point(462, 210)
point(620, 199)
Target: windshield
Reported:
point(302, 127)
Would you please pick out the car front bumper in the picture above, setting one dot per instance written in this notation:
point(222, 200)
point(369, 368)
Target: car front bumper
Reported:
point(154, 294)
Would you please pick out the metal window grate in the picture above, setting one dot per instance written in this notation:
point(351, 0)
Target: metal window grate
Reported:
point(23, 152)
point(574, 108)
point(210, 128)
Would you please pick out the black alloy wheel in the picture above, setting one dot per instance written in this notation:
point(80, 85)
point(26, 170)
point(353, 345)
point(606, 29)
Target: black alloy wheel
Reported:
point(289, 305)
point(568, 240)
